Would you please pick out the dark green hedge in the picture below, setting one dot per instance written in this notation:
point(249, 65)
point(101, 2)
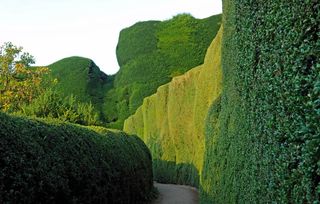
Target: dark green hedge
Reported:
point(54, 162)
point(82, 78)
point(266, 143)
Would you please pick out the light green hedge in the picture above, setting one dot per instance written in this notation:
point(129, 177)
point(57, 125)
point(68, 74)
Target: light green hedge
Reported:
point(172, 121)
point(150, 54)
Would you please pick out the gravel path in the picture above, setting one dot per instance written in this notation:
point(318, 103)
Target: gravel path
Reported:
point(176, 194)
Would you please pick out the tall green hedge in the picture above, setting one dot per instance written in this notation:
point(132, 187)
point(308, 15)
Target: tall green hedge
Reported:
point(82, 78)
point(263, 140)
point(171, 121)
point(150, 54)
point(54, 162)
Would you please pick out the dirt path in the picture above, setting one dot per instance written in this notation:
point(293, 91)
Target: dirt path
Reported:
point(176, 194)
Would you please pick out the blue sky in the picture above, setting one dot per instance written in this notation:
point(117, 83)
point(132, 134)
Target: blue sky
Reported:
point(54, 29)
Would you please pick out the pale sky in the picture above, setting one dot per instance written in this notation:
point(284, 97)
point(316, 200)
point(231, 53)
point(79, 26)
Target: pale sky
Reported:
point(54, 29)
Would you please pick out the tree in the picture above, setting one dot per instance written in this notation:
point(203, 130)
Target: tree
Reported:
point(19, 83)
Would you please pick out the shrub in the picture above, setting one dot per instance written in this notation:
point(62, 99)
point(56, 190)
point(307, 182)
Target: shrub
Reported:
point(68, 109)
point(60, 163)
point(82, 78)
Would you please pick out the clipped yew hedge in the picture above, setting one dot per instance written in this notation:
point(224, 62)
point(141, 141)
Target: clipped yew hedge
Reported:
point(263, 139)
point(55, 162)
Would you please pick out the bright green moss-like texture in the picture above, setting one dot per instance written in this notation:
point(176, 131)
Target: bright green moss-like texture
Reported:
point(171, 122)
point(61, 163)
point(263, 137)
point(150, 54)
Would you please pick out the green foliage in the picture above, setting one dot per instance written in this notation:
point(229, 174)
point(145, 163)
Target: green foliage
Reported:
point(82, 78)
point(56, 162)
point(264, 146)
point(68, 109)
point(18, 82)
point(171, 121)
point(171, 172)
point(150, 54)
point(136, 40)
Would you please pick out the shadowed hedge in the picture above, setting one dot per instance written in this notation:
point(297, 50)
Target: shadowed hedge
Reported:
point(171, 172)
point(262, 140)
point(62, 163)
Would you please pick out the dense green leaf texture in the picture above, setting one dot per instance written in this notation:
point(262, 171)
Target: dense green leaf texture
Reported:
point(263, 138)
point(51, 104)
point(172, 121)
point(54, 162)
point(150, 54)
point(81, 78)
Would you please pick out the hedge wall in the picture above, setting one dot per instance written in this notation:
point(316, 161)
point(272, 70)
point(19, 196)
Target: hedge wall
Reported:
point(171, 122)
point(152, 53)
point(61, 163)
point(263, 140)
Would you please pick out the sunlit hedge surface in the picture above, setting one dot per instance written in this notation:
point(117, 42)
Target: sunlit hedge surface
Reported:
point(172, 121)
point(150, 54)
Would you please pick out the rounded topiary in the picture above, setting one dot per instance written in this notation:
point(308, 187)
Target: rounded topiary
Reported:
point(55, 162)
